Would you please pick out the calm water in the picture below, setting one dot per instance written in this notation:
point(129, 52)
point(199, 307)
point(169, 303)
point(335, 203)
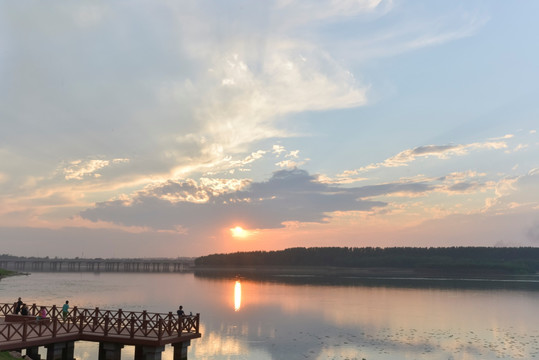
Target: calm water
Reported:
point(264, 320)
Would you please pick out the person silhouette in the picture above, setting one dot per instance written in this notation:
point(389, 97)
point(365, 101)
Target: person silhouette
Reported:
point(65, 310)
point(18, 306)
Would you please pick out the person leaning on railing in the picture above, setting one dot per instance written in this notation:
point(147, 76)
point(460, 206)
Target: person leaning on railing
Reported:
point(42, 314)
point(65, 310)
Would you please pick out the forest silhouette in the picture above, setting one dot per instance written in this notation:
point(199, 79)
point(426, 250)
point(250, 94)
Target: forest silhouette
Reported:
point(508, 260)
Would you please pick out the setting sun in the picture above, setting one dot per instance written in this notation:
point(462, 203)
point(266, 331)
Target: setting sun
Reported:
point(238, 232)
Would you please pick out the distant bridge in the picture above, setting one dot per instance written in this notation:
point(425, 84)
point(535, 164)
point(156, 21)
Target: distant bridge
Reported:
point(96, 265)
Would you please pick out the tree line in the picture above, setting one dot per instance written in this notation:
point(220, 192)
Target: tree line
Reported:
point(522, 260)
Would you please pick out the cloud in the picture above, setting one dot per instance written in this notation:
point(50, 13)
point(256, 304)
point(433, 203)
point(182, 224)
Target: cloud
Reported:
point(79, 169)
point(437, 151)
point(412, 32)
point(290, 164)
point(205, 206)
point(289, 195)
point(292, 78)
point(173, 87)
point(210, 88)
point(299, 12)
point(256, 74)
point(463, 187)
point(505, 137)
point(460, 175)
point(520, 147)
point(516, 193)
point(463, 182)
point(441, 152)
point(293, 154)
point(278, 149)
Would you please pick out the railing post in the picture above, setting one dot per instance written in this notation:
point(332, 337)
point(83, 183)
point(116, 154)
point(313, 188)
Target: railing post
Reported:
point(197, 326)
point(54, 326)
point(160, 329)
point(81, 319)
point(119, 321)
point(96, 316)
point(132, 334)
point(73, 317)
point(24, 331)
point(106, 330)
point(144, 321)
point(170, 327)
point(54, 311)
point(181, 327)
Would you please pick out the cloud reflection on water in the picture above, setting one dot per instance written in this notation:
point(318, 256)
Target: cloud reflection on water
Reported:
point(279, 320)
point(346, 322)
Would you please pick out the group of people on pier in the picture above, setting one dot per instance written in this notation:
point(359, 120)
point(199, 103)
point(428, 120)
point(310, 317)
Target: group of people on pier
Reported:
point(22, 308)
point(181, 313)
point(30, 327)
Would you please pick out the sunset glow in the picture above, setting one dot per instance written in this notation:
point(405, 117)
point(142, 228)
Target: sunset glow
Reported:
point(283, 124)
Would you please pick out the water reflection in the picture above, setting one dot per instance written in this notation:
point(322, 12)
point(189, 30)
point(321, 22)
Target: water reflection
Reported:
point(237, 295)
point(307, 319)
point(509, 282)
point(298, 317)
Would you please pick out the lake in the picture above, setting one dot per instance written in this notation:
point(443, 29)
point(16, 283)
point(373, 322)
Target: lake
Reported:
point(299, 317)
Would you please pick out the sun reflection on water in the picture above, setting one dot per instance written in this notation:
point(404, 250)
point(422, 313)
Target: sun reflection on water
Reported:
point(237, 295)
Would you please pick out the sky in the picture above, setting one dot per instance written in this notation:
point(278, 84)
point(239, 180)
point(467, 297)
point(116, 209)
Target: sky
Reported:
point(184, 128)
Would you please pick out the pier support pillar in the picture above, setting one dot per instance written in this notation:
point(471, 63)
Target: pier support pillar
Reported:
point(60, 351)
point(33, 353)
point(148, 352)
point(110, 351)
point(180, 350)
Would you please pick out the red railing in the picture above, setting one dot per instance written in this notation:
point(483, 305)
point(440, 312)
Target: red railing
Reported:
point(101, 323)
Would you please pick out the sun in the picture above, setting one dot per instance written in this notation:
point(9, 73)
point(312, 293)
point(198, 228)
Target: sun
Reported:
point(238, 232)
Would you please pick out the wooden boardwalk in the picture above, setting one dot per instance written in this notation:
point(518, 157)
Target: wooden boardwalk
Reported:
point(142, 329)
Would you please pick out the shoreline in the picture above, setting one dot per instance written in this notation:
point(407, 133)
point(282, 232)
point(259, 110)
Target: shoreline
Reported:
point(373, 277)
point(381, 272)
point(7, 273)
